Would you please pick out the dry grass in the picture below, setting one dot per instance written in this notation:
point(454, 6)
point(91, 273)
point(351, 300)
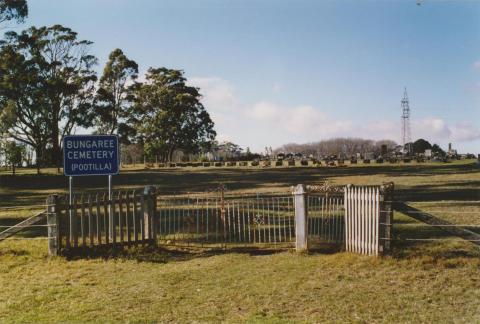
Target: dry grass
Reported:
point(240, 287)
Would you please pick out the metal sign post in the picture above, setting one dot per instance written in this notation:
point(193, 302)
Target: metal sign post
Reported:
point(89, 155)
point(70, 203)
point(110, 214)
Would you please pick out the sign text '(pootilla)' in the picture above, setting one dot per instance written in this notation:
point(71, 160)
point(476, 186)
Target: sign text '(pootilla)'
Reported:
point(91, 155)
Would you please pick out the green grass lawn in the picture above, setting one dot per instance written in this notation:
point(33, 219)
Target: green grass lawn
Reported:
point(420, 282)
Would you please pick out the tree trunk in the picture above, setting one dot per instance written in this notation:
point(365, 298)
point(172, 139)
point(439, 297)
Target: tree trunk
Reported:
point(170, 153)
point(13, 168)
point(38, 157)
point(55, 147)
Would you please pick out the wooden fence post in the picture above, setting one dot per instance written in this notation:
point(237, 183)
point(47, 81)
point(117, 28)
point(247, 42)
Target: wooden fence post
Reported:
point(53, 222)
point(149, 210)
point(301, 221)
point(386, 216)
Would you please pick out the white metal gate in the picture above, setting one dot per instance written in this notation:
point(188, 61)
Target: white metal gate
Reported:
point(362, 219)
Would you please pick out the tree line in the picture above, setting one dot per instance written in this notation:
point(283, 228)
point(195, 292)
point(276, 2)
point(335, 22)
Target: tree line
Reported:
point(49, 89)
point(349, 147)
point(345, 147)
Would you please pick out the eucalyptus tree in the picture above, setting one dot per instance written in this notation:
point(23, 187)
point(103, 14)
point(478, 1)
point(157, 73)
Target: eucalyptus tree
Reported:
point(23, 114)
point(114, 95)
point(168, 115)
point(13, 10)
point(47, 86)
point(13, 154)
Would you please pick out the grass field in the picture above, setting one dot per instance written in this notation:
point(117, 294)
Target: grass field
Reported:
point(420, 282)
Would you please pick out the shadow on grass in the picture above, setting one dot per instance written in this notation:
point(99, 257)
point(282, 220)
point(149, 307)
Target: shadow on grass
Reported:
point(37, 230)
point(436, 251)
point(30, 189)
point(160, 254)
point(431, 242)
point(430, 252)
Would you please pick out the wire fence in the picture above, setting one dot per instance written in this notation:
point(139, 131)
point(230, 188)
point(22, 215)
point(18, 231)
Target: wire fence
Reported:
point(8, 208)
point(442, 221)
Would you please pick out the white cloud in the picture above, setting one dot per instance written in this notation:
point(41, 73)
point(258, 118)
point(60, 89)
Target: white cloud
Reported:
point(304, 118)
point(476, 65)
point(465, 132)
point(436, 129)
point(264, 111)
point(220, 101)
point(299, 120)
point(378, 129)
point(431, 128)
point(265, 123)
point(217, 93)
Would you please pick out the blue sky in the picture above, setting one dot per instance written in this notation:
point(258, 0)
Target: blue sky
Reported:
point(276, 71)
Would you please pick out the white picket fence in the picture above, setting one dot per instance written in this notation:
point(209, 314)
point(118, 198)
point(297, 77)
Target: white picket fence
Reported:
point(362, 220)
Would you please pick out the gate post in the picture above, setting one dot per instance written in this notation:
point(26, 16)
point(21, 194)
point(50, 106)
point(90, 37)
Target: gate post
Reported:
point(53, 213)
point(386, 216)
point(301, 221)
point(149, 210)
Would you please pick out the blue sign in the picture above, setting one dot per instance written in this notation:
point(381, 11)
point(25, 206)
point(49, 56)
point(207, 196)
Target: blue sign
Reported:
point(85, 155)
